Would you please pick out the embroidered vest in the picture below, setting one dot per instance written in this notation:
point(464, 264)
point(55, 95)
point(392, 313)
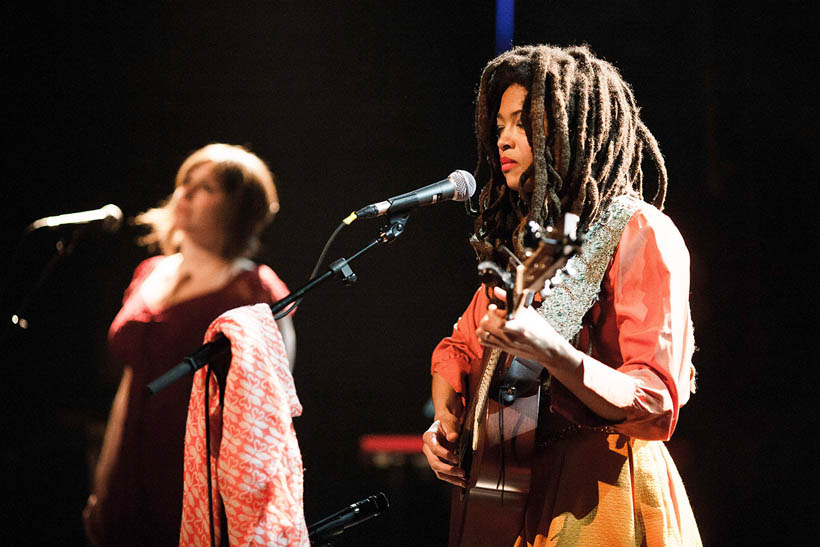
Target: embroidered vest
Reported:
point(565, 307)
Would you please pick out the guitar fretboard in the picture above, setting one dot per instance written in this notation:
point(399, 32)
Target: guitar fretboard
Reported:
point(482, 392)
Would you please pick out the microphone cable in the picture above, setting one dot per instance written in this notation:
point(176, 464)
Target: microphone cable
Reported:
point(346, 222)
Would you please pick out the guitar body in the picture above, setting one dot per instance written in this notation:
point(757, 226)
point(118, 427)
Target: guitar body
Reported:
point(490, 511)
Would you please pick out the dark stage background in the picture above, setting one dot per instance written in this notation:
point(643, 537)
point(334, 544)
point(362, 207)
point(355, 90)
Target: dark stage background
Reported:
point(352, 102)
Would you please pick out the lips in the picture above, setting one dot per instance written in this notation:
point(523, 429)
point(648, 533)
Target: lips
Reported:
point(507, 164)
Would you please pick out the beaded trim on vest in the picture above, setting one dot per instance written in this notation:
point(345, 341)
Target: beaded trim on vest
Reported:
point(564, 308)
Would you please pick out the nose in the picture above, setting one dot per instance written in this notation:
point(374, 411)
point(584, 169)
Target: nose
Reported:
point(504, 140)
point(186, 191)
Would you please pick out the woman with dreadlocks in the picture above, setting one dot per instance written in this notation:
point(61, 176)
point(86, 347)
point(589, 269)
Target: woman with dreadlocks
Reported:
point(559, 132)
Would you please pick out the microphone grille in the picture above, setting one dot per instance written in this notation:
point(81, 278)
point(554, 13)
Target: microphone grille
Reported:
point(465, 184)
point(113, 218)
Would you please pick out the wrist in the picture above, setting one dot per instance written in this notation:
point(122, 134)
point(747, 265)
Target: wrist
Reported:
point(444, 414)
point(563, 358)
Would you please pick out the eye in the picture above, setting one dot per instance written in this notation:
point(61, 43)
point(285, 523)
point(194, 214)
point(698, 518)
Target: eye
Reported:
point(498, 130)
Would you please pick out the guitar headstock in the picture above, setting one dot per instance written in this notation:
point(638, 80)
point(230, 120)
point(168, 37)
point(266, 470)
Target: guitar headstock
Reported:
point(548, 251)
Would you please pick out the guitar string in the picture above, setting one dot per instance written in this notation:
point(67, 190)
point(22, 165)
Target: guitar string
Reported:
point(483, 391)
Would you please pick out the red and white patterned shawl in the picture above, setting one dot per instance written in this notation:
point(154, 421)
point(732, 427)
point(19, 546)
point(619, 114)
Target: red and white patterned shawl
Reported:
point(256, 465)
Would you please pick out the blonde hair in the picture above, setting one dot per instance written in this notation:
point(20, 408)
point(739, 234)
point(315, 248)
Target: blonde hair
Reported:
point(251, 196)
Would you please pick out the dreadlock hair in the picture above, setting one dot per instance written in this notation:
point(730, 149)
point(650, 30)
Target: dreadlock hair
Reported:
point(587, 141)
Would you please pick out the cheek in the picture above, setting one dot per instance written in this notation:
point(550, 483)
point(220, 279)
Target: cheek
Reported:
point(214, 204)
point(209, 211)
point(218, 211)
point(526, 154)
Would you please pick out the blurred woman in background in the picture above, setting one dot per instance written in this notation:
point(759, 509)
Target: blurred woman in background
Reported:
point(207, 230)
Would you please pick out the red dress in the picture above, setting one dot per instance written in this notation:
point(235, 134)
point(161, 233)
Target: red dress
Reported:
point(140, 475)
point(592, 488)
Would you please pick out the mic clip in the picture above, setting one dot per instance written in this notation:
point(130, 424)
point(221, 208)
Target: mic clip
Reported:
point(389, 232)
point(394, 228)
point(341, 269)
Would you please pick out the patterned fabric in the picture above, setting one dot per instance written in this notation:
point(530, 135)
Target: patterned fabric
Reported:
point(256, 465)
point(566, 305)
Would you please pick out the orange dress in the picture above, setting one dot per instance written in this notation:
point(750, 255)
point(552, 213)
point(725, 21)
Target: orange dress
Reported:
point(592, 487)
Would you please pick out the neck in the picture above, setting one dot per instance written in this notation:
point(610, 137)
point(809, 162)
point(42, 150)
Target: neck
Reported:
point(196, 256)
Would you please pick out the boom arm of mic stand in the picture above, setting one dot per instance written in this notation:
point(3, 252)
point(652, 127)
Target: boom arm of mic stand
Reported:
point(221, 344)
point(356, 513)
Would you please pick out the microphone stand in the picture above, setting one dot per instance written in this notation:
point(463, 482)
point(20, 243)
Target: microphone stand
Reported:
point(340, 268)
point(64, 247)
point(321, 533)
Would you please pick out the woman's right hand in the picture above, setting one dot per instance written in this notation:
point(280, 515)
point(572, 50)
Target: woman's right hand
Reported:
point(439, 447)
point(91, 522)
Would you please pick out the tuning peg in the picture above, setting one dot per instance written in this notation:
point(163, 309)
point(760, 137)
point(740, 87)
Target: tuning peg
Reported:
point(491, 272)
point(571, 225)
point(532, 235)
point(545, 292)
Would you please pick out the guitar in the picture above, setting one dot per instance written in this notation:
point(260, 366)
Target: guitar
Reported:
point(497, 438)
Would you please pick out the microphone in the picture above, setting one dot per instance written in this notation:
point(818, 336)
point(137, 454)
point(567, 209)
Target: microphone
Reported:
point(350, 516)
point(109, 216)
point(459, 186)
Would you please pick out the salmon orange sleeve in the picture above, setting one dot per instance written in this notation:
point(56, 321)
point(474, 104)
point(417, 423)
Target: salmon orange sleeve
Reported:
point(460, 353)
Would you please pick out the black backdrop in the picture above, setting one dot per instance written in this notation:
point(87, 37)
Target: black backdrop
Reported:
point(352, 102)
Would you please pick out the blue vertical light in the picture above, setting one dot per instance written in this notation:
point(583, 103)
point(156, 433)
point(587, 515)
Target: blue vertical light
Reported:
point(504, 25)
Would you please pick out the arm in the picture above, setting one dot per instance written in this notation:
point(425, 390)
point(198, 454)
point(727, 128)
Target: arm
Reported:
point(440, 438)
point(275, 289)
point(643, 337)
point(99, 506)
point(451, 363)
point(289, 338)
point(446, 401)
point(531, 337)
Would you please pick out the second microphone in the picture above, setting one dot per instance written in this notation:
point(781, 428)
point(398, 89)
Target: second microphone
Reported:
point(459, 186)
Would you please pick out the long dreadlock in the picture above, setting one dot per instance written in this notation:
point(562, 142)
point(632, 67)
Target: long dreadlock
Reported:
point(586, 135)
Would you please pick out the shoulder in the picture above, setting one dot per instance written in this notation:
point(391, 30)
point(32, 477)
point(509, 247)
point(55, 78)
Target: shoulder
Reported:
point(652, 226)
point(265, 281)
point(647, 215)
point(141, 273)
point(477, 307)
point(271, 282)
point(650, 236)
point(147, 266)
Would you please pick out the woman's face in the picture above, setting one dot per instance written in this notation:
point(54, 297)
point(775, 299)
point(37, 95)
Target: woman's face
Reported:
point(514, 149)
point(200, 206)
